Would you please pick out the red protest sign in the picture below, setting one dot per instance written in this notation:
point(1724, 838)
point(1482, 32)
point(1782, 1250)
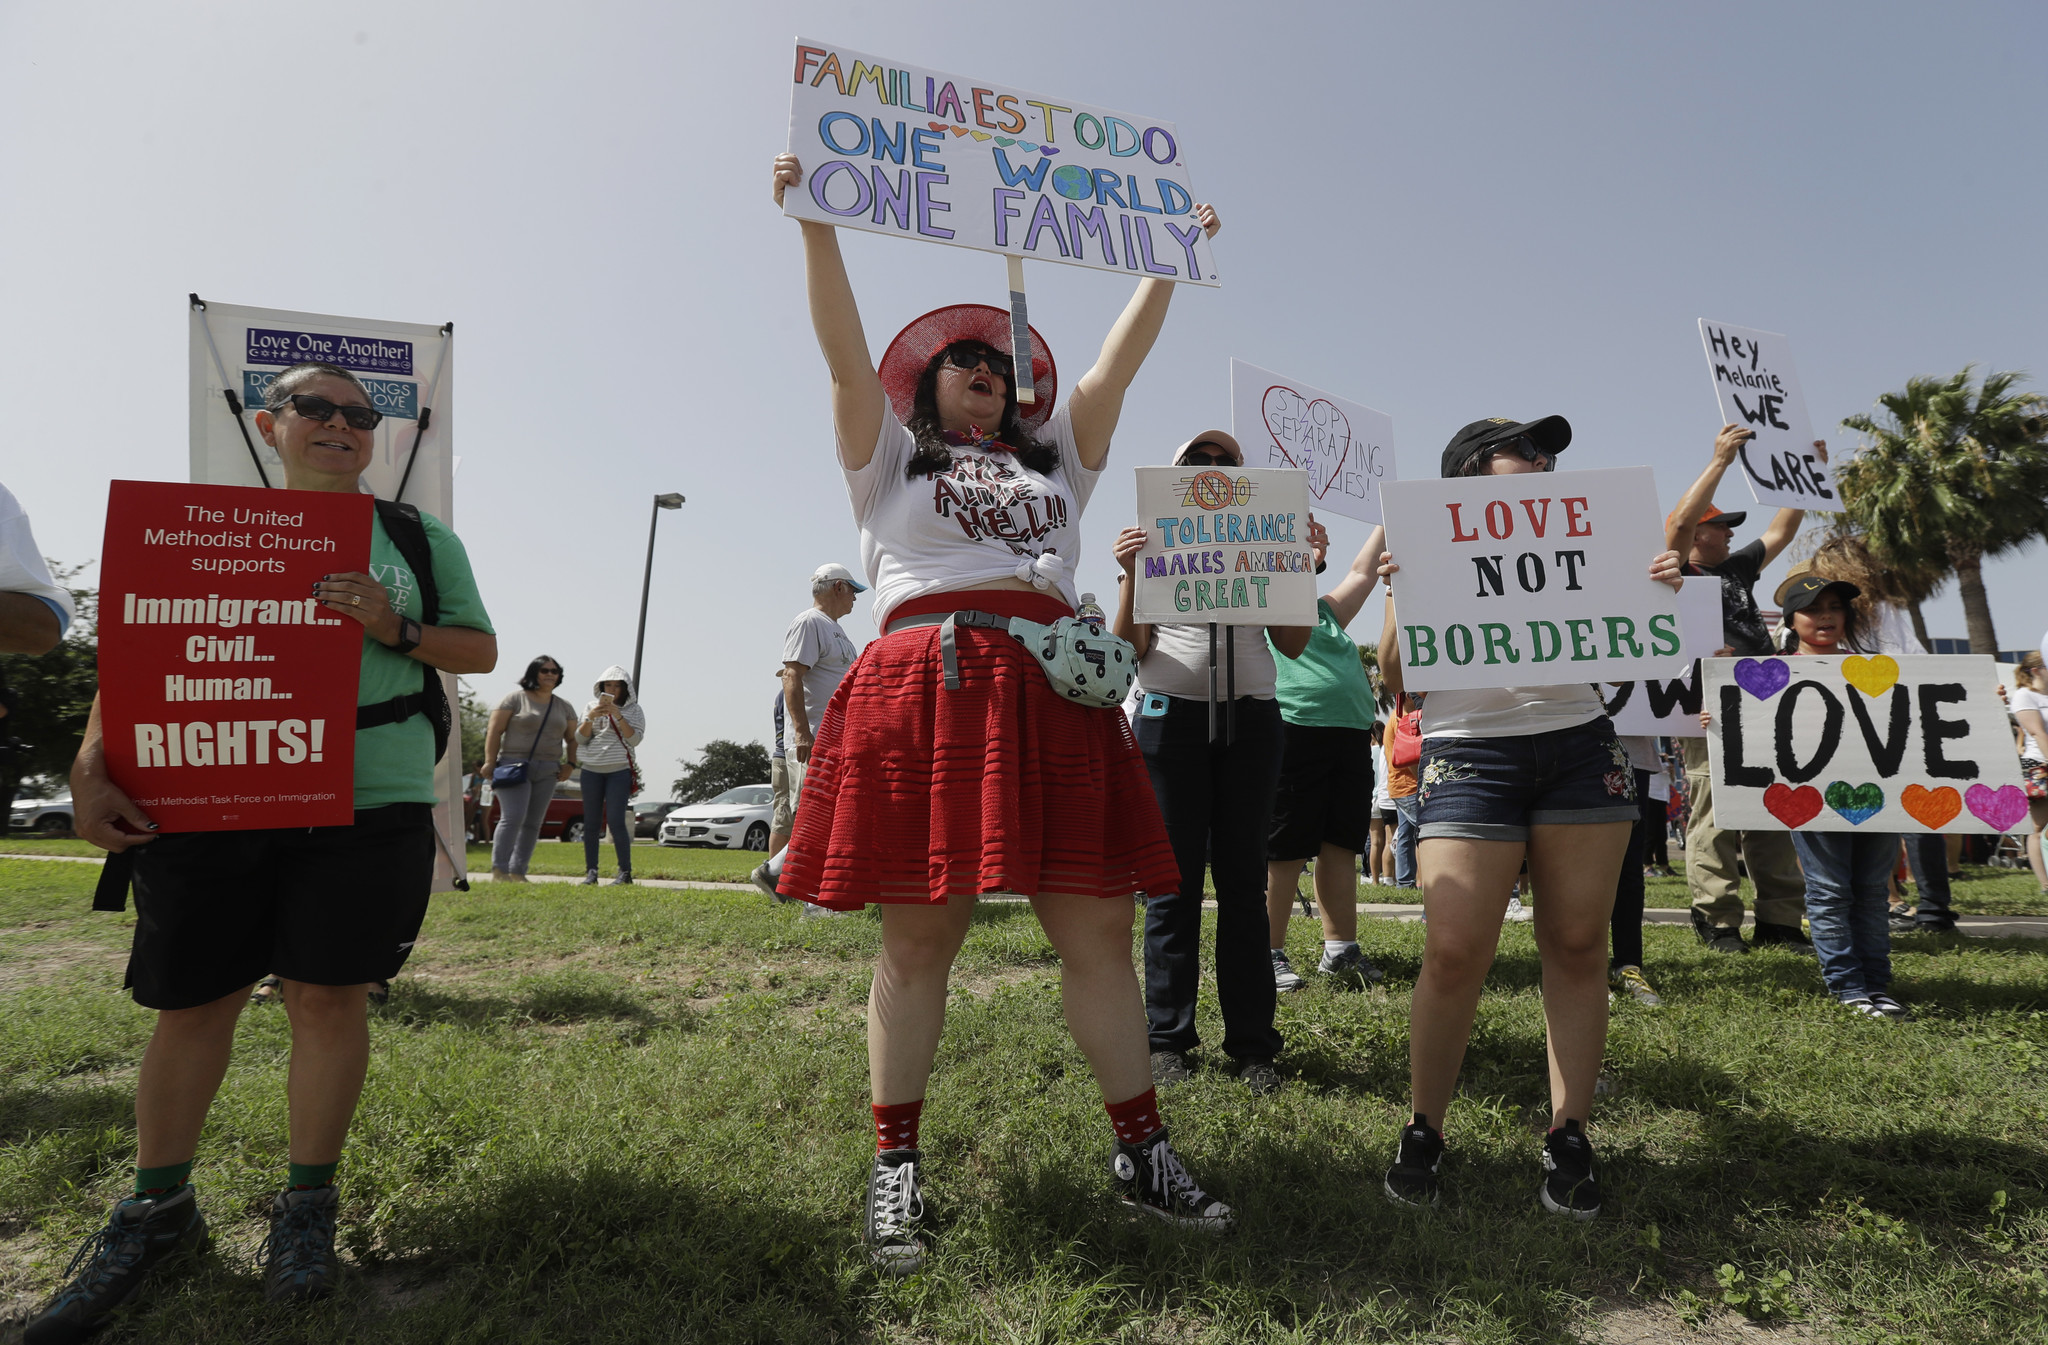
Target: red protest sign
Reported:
point(227, 696)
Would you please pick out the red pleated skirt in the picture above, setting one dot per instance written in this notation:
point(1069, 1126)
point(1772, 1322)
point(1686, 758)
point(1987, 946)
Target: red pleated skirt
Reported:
point(916, 794)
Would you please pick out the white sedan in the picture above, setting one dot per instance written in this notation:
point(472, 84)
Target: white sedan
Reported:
point(735, 820)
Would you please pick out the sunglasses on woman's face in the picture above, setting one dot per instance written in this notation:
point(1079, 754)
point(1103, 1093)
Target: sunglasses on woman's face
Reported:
point(320, 409)
point(1206, 454)
point(551, 672)
point(966, 357)
point(1523, 448)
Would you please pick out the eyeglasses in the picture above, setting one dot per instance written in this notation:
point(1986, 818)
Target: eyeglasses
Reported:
point(967, 356)
point(319, 408)
point(554, 672)
point(1523, 448)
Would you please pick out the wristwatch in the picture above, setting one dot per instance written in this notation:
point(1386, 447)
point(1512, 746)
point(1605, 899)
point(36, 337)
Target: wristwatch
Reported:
point(408, 635)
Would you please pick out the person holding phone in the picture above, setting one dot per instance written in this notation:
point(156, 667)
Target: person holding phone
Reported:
point(612, 726)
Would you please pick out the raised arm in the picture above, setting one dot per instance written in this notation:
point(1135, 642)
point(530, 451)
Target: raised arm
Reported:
point(1098, 398)
point(1357, 584)
point(857, 397)
point(1390, 633)
point(1693, 505)
point(1785, 525)
point(1125, 624)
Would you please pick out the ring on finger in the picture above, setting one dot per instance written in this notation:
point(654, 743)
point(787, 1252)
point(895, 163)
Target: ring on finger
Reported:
point(356, 601)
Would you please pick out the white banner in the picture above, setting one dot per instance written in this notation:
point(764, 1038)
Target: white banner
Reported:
point(1224, 548)
point(1535, 579)
point(933, 155)
point(1914, 744)
point(409, 370)
point(1346, 448)
point(1670, 707)
point(1758, 389)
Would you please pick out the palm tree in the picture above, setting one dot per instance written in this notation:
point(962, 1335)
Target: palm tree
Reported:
point(1948, 474)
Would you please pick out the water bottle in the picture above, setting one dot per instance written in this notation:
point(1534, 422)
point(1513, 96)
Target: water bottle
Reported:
point(1091, 613)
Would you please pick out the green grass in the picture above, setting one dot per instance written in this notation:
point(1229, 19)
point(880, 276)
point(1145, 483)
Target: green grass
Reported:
point(640, 1115)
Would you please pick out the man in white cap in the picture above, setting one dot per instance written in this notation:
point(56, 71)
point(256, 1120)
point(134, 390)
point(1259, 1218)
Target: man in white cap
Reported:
point(815, 655)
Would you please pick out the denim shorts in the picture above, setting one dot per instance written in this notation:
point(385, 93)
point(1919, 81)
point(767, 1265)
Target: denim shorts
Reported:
point(1495, 789)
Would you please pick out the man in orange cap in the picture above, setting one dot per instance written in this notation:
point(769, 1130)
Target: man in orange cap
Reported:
point(1705, 536)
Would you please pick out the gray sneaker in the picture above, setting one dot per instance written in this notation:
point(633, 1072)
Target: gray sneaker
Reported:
point(761, 878)
point(589, 878)
point(1351, 967)
point(1259, 1077)
point(1285, 977)
point(895, 1215)
point(1171, 1067)
point(623, 878)
point(298, 1256)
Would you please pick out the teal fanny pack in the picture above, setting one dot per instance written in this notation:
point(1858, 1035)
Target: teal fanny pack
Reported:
point(1083, 664)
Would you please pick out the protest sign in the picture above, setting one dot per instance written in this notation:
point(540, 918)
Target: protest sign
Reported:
point(1224, 548)
point(928, 154)
point(1670, 707)
point(1758, 389)
point(227, 695)
point(1533, 579)
point(1912, 744)
point(1346, 449)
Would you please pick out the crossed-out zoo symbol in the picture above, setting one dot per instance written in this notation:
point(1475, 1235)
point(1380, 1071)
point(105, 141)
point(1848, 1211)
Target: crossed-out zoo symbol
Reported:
point(1215, 490)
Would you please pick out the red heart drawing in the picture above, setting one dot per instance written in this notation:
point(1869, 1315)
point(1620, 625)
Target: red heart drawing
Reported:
point(1794, 807)
point(1317, 430)
point(936, 125)
point(1931, 808)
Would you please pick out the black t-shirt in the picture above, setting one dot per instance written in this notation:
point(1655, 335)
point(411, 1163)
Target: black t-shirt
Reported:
point(1742, 624)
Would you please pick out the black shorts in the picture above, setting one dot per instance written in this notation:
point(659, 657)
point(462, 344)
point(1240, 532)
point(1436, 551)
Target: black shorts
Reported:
point(1325, 794)
point(218, 910)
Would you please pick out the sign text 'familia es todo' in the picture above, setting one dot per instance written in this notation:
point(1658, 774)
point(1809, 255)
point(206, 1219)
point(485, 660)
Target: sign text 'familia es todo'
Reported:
point(933, 155)
point(227, 694)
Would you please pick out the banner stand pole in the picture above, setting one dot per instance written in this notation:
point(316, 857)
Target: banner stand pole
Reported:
point(1212, 681)
point(234, 402)
point(426, 412)
point(1020, 337)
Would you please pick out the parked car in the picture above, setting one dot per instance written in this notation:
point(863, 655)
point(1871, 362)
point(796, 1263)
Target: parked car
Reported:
point(51, 817)
point(564, 821)
point(735, 820)
point(648, 815)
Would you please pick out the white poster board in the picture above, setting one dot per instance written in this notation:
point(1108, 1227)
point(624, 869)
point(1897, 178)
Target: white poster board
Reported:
point(1346, 448)
point(1912, 744)
point(1224, 548)
point(409, 369)
point(1757, 388)
point(1670, 707)
point(1535, 579)
point(936, 156)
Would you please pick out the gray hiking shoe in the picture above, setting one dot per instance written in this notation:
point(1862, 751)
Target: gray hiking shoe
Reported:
point(1351, 967)
point(114, 1264)
point(298, 1256)
point(1171, 1067)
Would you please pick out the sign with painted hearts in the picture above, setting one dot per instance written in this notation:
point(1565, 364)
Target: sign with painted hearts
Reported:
point(1758, 389)
point(1912, 744)
point(1536, 579)
point(1670, 707)
point(1224, 548)
point(1346, 448)
point(934, 155)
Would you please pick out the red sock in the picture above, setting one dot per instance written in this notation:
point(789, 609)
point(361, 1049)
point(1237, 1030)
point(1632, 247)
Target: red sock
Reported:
point(896, 1124)
point(1136, 1119)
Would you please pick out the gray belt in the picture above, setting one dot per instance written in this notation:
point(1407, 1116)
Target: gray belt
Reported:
point(949, 653)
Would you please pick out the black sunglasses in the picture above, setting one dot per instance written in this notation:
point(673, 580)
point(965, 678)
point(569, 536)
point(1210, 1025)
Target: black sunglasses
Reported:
point(320, 409)
point(967, 356)
point(1219, 457)
point(1522, 447)
point(545, 669)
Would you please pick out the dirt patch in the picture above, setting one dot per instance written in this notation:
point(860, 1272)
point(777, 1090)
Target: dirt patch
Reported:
point(1659, 1324)
point(42, 963)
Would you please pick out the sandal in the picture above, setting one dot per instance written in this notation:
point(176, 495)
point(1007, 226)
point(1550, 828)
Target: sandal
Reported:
point(269, 990)
point(380, 992)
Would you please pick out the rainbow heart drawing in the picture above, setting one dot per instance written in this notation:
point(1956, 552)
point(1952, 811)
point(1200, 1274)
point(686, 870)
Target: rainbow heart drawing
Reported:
point(1762, 679)
point(1027, 146)
point(1871, 676)
point(937, 125)
point(1048, 149)
point(1856, 803)
point(1794, 807)
point(1931, 808)
point(1006, 141)
point(1319, 432)
point(2002, 809)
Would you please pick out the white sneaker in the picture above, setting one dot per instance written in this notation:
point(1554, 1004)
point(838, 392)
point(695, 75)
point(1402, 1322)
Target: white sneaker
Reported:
point(1285, 977)
point(1518, 913)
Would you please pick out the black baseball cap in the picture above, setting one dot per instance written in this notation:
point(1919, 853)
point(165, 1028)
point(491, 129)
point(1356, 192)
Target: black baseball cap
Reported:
point(1799, 592)
point(1551, 434)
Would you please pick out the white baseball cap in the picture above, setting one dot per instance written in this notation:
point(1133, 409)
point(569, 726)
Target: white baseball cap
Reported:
point(836, 573)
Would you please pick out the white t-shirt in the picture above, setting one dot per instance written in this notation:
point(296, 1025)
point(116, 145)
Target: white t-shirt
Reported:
point(1382, 801)
point(816, 641)
point(1508, 712)
point(986, 517)
point(2025, 698)
point(1177, 664)
point(22, 568)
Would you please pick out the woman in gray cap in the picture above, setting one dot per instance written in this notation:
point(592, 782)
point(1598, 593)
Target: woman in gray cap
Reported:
point(1510, 773)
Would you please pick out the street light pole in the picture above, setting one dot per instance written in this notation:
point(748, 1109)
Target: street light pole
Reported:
point(661, 502)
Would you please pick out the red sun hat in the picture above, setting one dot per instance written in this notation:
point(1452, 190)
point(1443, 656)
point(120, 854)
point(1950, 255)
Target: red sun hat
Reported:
point(904, 361)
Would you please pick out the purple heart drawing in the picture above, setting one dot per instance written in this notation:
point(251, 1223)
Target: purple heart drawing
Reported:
point(1762, 680)
point(1048, 149)
point(2003, 808)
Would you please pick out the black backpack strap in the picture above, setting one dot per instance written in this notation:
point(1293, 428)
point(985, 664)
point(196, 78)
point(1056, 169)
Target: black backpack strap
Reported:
point(408, 532)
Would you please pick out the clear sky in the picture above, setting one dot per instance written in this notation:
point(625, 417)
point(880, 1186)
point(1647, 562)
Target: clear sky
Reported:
point(1445, 211)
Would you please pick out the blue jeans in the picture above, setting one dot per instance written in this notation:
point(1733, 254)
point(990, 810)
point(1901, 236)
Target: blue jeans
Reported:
point(604, 800)
point(1928, 857)
point(1217, 800)
point(1404, 840)
point(1848, 882)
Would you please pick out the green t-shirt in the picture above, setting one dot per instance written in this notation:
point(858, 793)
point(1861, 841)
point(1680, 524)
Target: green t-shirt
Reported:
point(1326, 687)
point(395, 762)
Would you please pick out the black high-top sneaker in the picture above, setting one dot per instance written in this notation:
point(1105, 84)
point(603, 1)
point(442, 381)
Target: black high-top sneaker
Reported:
point(1568, 1186)
point(1413, 1179)
point(112, 1265)
point(298, 1256)
point(1150, 1179)
point(895, 1213)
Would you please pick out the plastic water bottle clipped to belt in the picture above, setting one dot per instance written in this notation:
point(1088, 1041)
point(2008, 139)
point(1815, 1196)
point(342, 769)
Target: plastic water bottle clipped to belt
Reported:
point(1091, 614)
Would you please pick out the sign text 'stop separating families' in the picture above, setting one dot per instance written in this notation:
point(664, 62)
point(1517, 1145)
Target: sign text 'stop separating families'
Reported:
point(1346, 448)
point(931, 155)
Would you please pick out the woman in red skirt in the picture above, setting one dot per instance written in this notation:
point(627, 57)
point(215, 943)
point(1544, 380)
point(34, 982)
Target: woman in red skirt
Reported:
point(922, 798)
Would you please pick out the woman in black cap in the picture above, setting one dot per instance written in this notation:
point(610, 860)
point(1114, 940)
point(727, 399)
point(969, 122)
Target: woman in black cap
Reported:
point(1510, 773)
